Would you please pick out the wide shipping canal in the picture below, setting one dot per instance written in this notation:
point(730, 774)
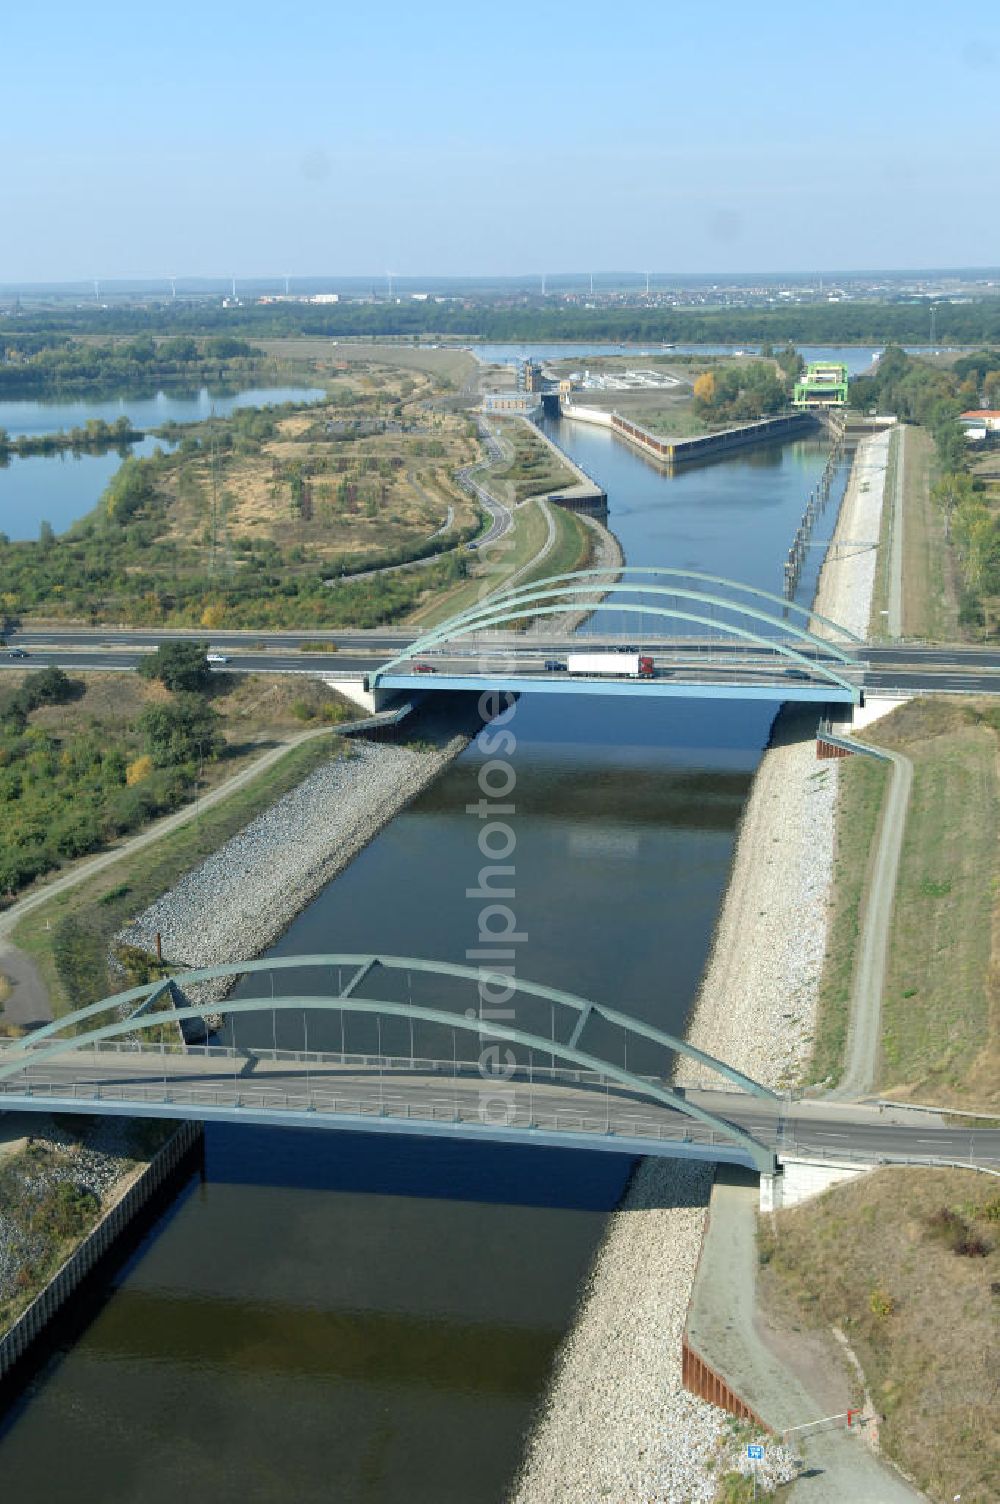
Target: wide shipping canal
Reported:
point(366, 1319)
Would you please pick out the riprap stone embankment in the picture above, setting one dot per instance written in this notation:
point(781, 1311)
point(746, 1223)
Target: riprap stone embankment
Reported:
point(238, 901)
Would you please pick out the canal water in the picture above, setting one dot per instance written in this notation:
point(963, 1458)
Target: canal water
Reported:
point(362, 1319)
point(60, 488)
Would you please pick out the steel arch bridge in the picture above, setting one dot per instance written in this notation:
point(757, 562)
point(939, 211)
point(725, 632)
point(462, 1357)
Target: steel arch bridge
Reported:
point(767, 643)
point(101, 1059)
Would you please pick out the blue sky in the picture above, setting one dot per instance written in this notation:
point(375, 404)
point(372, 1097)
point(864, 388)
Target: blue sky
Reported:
point(459, 138)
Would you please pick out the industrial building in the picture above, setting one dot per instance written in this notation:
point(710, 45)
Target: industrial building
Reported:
point(823, 383)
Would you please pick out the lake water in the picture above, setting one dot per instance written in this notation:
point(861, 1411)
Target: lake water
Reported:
point(857, 358)
point(52, 415)
point(60, 488)
point(374, 1320)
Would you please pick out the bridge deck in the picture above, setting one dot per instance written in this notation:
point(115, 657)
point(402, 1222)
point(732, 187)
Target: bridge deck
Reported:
point(677, 685)
point(557, 1107)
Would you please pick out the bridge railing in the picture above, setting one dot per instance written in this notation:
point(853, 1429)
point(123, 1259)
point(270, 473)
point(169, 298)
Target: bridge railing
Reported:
point(251, 1098)
point(400, 1064)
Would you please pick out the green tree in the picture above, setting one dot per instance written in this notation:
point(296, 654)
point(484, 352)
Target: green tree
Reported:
point(179, 348)
point(181, 666)
point(186, 731)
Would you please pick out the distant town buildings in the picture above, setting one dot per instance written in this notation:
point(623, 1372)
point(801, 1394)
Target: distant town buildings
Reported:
point(981, 424)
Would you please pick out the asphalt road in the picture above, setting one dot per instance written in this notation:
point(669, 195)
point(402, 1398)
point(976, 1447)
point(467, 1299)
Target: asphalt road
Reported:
point(930, 670)
point(909, 668)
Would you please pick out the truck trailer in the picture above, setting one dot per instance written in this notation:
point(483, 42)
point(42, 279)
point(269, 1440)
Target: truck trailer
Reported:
point(615, 665)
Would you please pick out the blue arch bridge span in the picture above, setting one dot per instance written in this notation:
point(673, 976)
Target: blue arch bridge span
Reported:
point(440, 1068)
point(707, 636)
point(566, 1077)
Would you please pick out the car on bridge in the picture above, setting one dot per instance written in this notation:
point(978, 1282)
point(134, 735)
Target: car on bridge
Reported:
point(216, 658)
point(554, 666)
point(17, 653)
point(422, 668)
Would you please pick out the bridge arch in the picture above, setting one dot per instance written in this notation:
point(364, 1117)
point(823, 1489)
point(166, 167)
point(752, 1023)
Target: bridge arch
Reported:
point(132, 1011)
point(524, 608)
point(612, 576)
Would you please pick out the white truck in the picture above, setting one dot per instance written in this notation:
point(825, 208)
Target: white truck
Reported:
point(616, 665)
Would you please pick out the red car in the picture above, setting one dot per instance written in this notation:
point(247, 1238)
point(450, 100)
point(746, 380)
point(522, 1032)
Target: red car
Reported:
point(422, 668)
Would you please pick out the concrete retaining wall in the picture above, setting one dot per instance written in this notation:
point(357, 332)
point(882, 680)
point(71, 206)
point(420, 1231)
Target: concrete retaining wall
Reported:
point(586, 414)
point(32, 1321)
point(685, 451)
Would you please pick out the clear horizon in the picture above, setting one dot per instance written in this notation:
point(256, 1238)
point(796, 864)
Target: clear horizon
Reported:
point(201, 280)
point(721, 142)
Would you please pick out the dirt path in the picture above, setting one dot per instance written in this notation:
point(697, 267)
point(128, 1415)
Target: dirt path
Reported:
point(29, 1000)
point(895, 601)
point(779, 1370)
point(545, 549)
point(865, 1026)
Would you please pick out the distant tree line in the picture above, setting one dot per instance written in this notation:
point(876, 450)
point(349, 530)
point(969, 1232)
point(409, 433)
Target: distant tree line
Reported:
point(52, 362)
point(95, 435)
point(972, 323)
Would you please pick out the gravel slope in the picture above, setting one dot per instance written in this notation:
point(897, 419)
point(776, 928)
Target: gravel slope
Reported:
point(247, 893)
point(757, 1005)
point(617, 1424)
point(848, 575)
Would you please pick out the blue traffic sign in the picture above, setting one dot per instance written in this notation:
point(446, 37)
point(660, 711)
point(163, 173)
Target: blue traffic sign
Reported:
point(755, 1452)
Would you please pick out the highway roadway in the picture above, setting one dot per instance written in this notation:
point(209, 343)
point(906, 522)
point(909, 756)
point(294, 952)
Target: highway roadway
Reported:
point(910, 669)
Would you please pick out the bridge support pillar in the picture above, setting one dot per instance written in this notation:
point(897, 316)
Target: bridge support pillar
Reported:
point(801, 1178)
point(770, 1193)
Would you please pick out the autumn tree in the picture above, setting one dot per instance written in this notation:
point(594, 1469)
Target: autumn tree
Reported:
point(704, 389)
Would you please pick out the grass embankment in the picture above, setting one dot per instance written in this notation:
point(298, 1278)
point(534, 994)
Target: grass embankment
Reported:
point(497, 564)
point(572, 549)
point(941, 1004)
point(861, 789)
point(676, 420)
point(941, 998)
point(930, 603)
point(905, 1263)
point(533, 468)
